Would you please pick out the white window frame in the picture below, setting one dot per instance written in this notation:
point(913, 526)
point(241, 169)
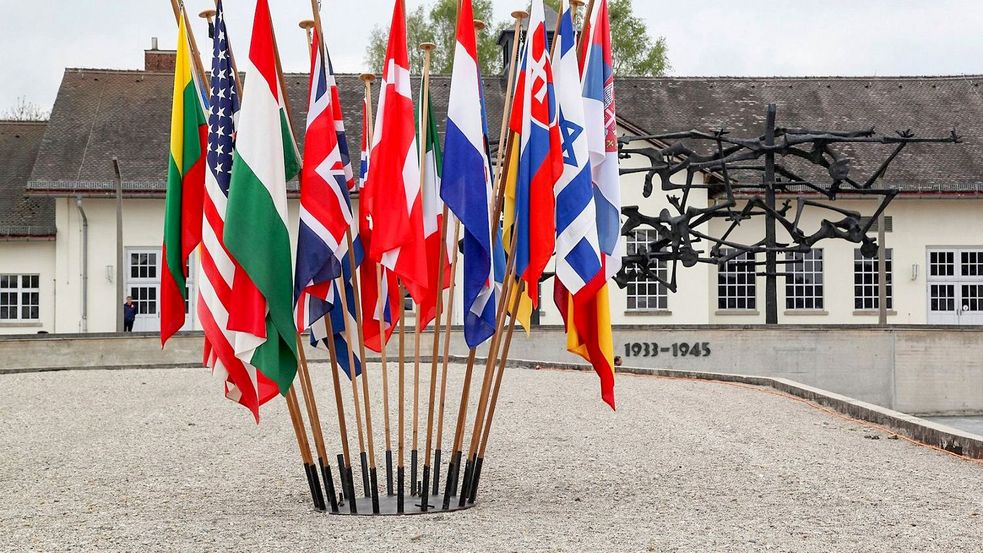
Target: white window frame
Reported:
point(643, 293)
point(737, 283)
point(14, 283)
point(866, 281)
point(804, 275)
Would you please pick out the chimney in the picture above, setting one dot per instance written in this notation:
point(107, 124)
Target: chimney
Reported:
point(158, 60)
point(507, 37)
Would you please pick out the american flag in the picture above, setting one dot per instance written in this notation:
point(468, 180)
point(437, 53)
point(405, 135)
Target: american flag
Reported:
point(243, 383)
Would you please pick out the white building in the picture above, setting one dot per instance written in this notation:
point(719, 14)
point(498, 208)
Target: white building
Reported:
point(62, 269)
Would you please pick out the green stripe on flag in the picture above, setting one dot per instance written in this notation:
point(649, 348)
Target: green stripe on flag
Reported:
point(257, 237)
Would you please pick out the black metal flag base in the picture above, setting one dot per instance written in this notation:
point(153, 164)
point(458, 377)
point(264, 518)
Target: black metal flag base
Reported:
point(388, 507)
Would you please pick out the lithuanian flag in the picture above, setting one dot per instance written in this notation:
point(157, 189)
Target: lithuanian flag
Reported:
point(185, 188)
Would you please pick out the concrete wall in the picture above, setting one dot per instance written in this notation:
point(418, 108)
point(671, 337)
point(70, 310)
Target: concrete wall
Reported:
point(918, 370)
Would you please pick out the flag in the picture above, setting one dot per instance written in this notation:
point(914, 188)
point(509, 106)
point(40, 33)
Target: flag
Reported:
point(367, 270)
point(325, 208)
point(256, 233)
point(242, 382)
point(325, 214)
point(588, 325)
point(467, 186)
point(540, 159)
point(393, 187)
point(323, 311)
point(433, 218)
point(185, 187)
point(587, 312)
point(578, 256)
point(601, 130)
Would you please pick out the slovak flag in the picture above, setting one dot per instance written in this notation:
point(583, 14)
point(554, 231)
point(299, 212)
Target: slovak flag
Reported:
point(601, 130)
point(534, 118)
point(466, 186)
point(393, 186)
point(325, 208)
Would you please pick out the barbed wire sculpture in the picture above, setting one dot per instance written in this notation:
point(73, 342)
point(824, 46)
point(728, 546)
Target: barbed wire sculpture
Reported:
point(753, 171)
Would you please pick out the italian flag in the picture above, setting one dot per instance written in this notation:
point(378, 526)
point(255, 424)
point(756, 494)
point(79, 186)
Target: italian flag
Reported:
point(256, 234)
point(185, 188)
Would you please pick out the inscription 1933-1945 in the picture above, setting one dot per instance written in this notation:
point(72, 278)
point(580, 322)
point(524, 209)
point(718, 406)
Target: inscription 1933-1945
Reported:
point(678, 349)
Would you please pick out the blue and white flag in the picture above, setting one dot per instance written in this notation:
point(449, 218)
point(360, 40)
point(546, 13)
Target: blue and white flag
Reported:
point(466, 187)
point(578, 256)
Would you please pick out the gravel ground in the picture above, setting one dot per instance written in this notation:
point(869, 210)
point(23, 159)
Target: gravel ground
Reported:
point(155, 460)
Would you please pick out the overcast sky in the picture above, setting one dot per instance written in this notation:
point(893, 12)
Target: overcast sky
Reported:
point(40, 38)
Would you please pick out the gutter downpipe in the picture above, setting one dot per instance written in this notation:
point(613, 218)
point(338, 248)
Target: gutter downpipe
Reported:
point(85, 264)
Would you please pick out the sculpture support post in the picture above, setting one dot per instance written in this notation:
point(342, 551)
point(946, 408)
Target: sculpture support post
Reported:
point(771, 254)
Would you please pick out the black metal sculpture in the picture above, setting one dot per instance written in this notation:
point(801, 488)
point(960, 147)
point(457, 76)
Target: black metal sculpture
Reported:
point(754, 171)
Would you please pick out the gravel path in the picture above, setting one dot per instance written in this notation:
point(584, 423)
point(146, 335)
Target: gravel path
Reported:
point(155, 460)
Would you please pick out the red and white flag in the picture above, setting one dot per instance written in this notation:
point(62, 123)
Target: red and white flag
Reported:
point(392, 191)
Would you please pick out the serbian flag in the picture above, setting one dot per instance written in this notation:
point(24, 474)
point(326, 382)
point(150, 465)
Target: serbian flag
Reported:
point(601, 130)
point(437, 261)
point(467, 186)
point(540, 158)
point(185, 187)
point(580, 290)
point(325, 208)
point(373, 310)
point(393, 188)
point(256, 226)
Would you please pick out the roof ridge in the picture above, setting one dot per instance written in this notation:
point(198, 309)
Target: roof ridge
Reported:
point(23, 122)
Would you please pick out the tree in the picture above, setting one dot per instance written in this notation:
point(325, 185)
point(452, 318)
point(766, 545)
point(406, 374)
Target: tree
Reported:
point(25, 111)
point(440, 27)
point(635, 51)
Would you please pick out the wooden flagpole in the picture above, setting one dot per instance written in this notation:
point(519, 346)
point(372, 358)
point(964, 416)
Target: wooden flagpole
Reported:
point(292, 404)
point(340, 282)
point(510, 273)
point(427, 48)
point(400, 467)
point(367, 78)
point(505, 148)
point(447, 349)
point(350, 495)
point(455, 463)
point(587, 15)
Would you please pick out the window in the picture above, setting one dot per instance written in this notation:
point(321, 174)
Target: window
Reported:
point(20, 297)
point(644, 292)
point(736, 282)
point(942, 263)
point(866, 293)
point(804, 283)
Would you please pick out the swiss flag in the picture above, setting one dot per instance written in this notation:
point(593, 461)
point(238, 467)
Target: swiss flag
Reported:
point(392, 189)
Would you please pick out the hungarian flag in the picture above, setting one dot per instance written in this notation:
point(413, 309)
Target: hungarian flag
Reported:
point(393, 188)
point(580, 289)
point(185, 187)
point(467, 186)
point(433, 217)
point(243, 383)
point(540, 159)
point(256, 233)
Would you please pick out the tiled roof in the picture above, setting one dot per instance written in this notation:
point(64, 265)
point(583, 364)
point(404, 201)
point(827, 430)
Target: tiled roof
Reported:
point(20, 216)
point(100, 114)
point(929, 106)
